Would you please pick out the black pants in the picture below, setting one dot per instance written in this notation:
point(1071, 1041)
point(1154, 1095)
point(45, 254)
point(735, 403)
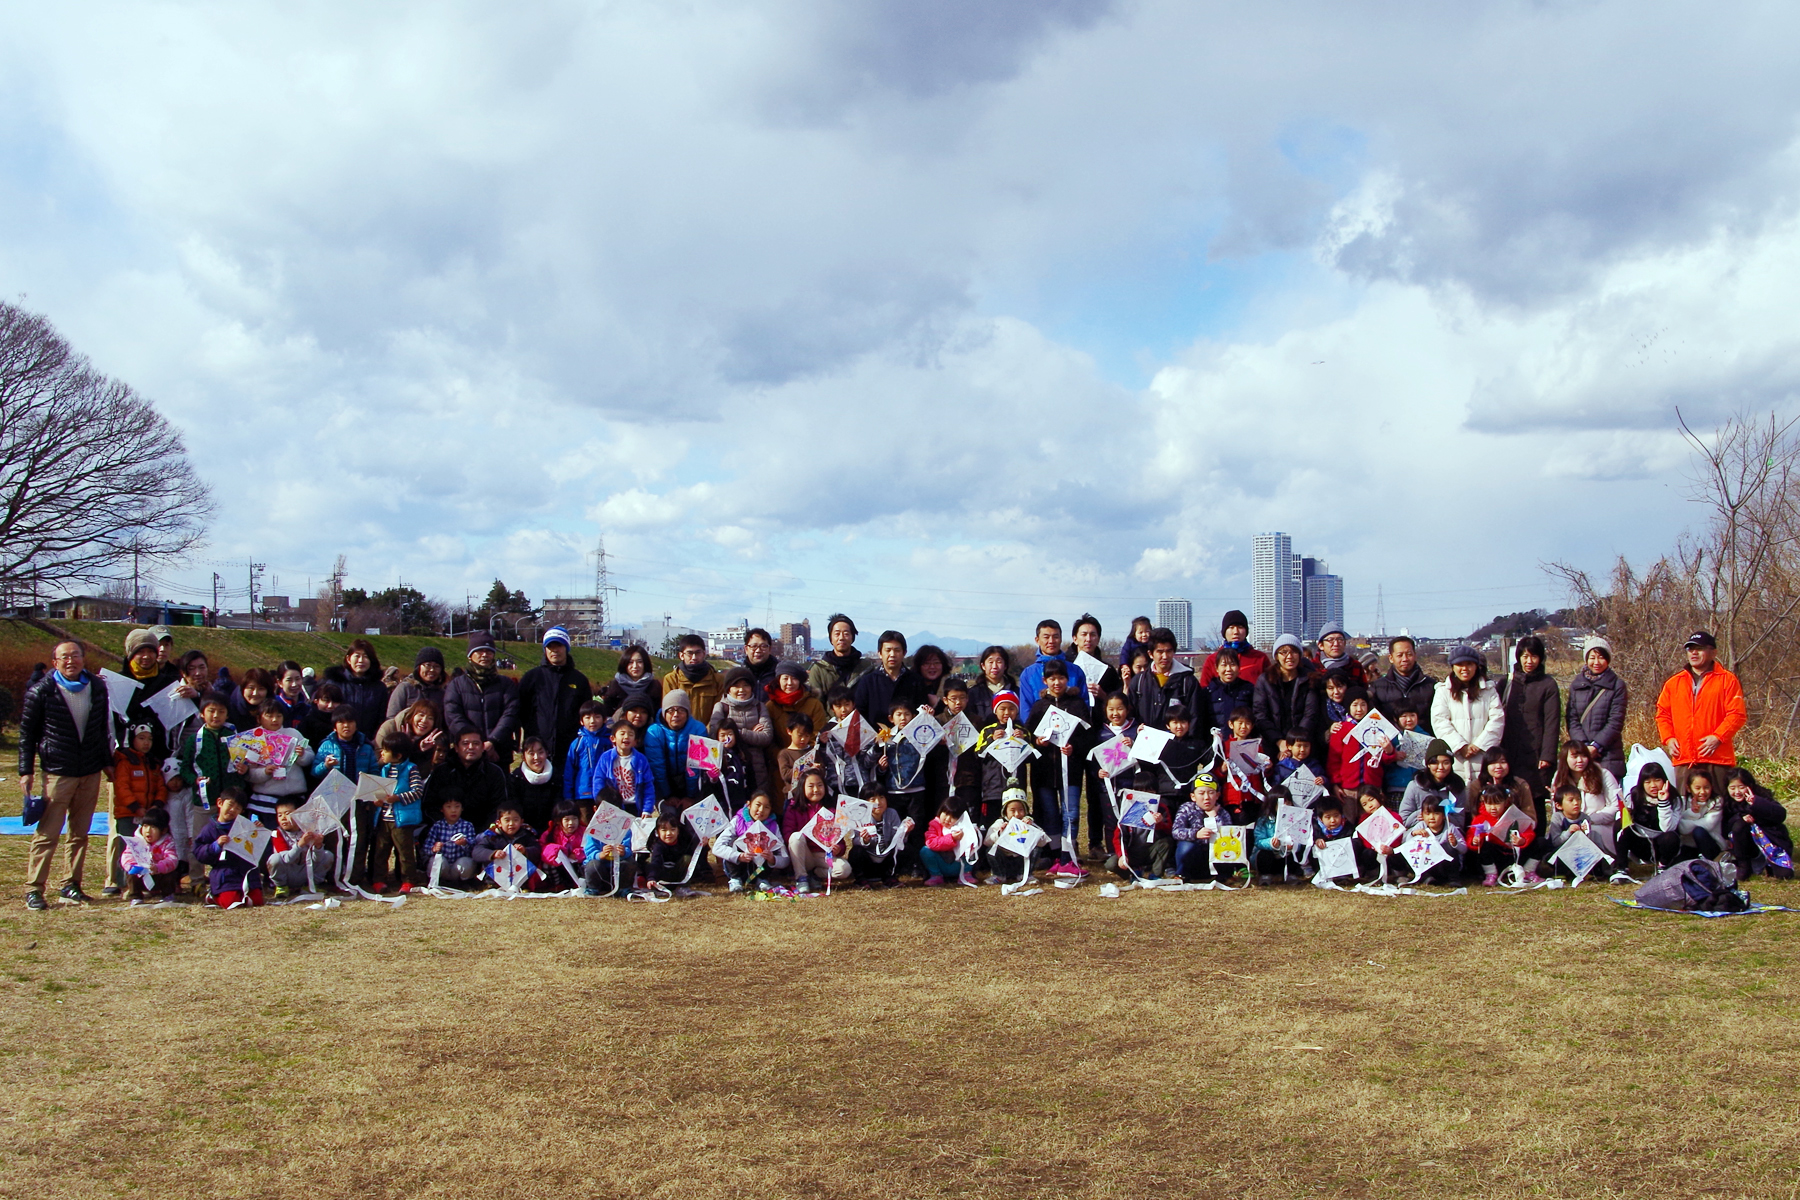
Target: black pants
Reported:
point(1100, 819)
point(865, 865)
point(1657, 849)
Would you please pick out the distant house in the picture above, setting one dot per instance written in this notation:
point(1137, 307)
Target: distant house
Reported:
point(88, 608)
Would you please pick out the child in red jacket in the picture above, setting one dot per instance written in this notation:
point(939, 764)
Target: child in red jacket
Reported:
point(1494, 852)
point(1350, 774)
point(138, 787)
point(938, 855)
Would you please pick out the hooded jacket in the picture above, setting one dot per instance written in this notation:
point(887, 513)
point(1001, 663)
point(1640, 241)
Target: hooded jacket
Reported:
point(1425, 787)
point(1476, 719)
point(1031, 679)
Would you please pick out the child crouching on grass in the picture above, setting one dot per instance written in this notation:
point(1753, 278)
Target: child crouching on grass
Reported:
point(1197, 823)
point(1008, 864)
point(811, 863)
point(453, 839)
point(563, 840)
point(508, 830)
point(138, 787)
point(155, 878)
point(744, 863)
point(938, 854)
point(232, 880)
point(291, 848)
point(606, 870)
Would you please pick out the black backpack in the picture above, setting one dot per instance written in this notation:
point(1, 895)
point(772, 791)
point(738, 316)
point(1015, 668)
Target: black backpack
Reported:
point(1692, 886)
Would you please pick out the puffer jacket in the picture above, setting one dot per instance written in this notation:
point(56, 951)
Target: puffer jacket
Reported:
point(1393, 692)
point(1478, 719)
point(491, 709)
point(756, 732)
point(365, 693)
point(1150, 700)
point(48, 737)
point(1281, 707)
point(1596, 716)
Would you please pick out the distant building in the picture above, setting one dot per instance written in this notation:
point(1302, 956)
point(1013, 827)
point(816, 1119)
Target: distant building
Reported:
point(88, 608)
point(1290, 593)
point(580, 615)
point(796, 640)
point(1177, 616)
point(728, 643)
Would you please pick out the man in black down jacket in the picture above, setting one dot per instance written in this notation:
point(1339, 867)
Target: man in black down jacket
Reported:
point(1152, 692)
point(1406, 685)
point(486, 701)
point(550, 699)
point(66, 727)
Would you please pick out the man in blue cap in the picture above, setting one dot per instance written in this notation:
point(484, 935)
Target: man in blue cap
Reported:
point(550, 699)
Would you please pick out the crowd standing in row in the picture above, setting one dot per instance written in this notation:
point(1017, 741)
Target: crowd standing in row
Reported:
point(794, 738)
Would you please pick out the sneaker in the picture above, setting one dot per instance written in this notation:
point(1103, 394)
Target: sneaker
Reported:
point(282, 893)
point(892, 881)
point(1621, 877)
point(35, 901)
point(1531, 879)
point(802, 883)
point(378, 888)
point(405, 888)
point(934, 881)
point(967, 878)
point(734, 886)
point(1491, 879)
point(74, 895)
point(111, 889)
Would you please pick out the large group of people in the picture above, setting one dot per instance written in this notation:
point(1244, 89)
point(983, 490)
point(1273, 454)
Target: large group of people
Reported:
point(878, 769)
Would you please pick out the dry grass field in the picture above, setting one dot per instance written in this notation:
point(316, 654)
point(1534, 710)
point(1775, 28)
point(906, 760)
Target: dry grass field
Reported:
point(906, 1043)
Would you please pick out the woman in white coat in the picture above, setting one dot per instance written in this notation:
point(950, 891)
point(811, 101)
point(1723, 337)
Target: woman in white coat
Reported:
point(1467, 712)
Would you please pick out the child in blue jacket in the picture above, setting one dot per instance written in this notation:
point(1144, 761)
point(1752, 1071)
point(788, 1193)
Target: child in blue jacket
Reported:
point(343, 749)
point(584, 757)
point(666, 746)
point(627, 773)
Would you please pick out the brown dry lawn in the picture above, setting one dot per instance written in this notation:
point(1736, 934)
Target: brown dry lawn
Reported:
point(912, 1043)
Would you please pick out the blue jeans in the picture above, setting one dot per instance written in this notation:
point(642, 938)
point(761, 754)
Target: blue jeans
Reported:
point(1059, 819)
point(943, 865)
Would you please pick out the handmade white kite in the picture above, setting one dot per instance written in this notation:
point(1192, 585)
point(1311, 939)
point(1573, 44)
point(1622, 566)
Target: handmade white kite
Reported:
point(1371, 733)
point(336, 792)
point(1579, 854)
point(1337, 859)
point(1010, 751)
point(610, 825)
point(1247, 756)
point(1140, 809)
point(1640, 757)
point(1021, 837)
point(704, 755)
point(758, 842)
point(1513, 818)
point(923, 732)
point(1113, 755)
point(853, 813)
point(376, 789)
point(316, 816)
point(248, 840)
point(1231, 844)
point(1381, 830)
point(1058, 725)
point(1422, 854)
point(1092, 669)
point(1293, 824)
point(170, 708)
point(511, 870)
point(707, 819)
point(968, 839)
point(1411, 746)
point(961, 734)
point(642, 830)
point(1147, 747)
point(824, 831)
point(1304, 787)
point(119, 691)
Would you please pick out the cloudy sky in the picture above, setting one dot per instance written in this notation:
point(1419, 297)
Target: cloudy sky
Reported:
point(947, 314)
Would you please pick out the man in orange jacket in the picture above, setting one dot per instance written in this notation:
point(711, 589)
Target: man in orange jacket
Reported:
point(1699, 711)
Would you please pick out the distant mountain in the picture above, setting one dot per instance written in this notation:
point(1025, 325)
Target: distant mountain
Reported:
point(961, 647)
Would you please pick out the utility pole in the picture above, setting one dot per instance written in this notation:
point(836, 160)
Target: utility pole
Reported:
point(215, 593)
point(256, 570)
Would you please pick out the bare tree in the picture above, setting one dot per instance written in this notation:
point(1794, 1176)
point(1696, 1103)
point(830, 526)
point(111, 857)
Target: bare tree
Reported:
point(90, 472)
point(1739, 577)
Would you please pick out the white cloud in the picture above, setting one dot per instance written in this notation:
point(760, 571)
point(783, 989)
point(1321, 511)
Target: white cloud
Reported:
point(833, 300)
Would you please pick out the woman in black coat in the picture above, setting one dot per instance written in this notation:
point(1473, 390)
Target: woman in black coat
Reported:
point(1533, 705)
point(359, 679)
point(1286, 698)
